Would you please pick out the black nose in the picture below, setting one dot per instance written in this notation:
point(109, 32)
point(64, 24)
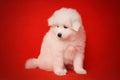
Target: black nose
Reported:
point(59, 35)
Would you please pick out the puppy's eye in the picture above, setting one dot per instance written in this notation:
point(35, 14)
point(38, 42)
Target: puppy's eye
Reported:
point(65, 27)
point(57, 26)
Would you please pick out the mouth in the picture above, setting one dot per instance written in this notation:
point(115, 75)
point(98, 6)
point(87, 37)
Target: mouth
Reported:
point(60, 36)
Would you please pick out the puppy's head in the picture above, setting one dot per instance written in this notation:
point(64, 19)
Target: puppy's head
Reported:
point(65, 22)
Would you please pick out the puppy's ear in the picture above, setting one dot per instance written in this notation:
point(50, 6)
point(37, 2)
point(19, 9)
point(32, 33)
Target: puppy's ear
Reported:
point(50, 21)
point(76, 25)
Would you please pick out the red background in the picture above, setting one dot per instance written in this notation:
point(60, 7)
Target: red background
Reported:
point(24, 23)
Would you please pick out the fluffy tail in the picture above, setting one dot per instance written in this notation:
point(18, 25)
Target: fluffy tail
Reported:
point(31, 63)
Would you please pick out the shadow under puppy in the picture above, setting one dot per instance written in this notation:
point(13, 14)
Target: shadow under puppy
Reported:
point(63, 44)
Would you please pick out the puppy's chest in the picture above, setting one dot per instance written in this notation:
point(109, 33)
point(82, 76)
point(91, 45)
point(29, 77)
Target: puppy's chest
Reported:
point(69, 54)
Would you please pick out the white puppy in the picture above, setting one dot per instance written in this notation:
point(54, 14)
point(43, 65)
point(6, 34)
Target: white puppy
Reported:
point(63, 44)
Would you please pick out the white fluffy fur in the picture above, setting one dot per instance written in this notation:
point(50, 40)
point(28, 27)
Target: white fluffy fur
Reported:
point(57, 52)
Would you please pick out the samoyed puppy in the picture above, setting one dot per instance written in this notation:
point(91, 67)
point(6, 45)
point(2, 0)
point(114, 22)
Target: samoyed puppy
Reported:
point(63, 44)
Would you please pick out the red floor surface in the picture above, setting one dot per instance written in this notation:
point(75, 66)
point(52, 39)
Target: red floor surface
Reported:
point(24, 23)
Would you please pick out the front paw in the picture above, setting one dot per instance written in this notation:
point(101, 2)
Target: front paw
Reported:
point(80, 71)
point(60, 72)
